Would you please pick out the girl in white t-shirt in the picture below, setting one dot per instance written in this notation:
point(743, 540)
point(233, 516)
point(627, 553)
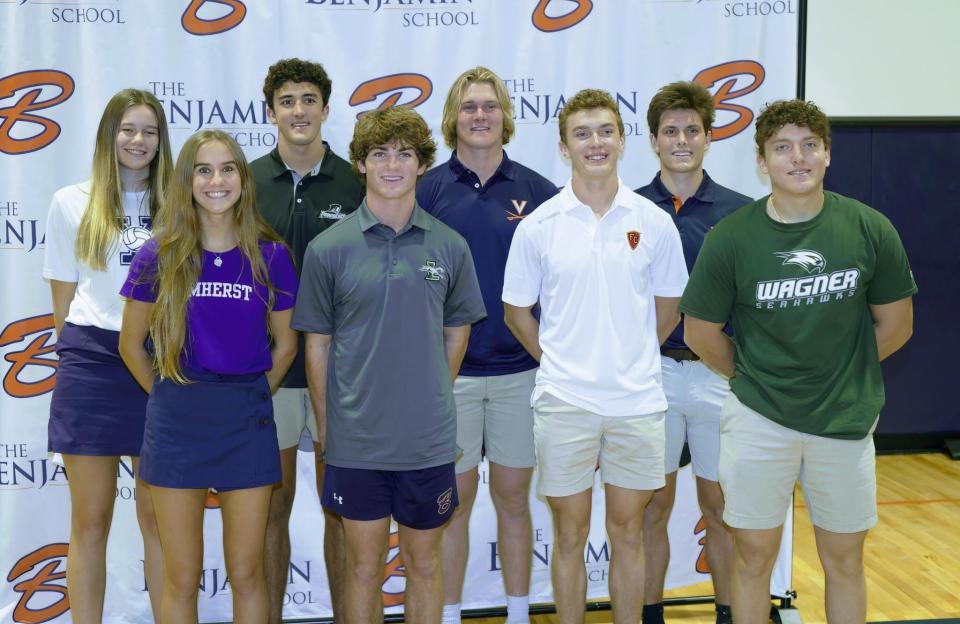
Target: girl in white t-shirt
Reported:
point(97, 409)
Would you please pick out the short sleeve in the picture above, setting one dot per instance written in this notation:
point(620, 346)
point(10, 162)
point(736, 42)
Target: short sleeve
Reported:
point(427, 194)
point(313, 311)
point(711, 292)
point(523, 272)
point(283, 276)
point(543, 190)
point(669, 268)
point(464, 302)
point(892, 279)
point(140, 284)
point(59, 256)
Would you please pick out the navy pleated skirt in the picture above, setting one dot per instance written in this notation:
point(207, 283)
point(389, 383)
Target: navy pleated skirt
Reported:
point(97, 406)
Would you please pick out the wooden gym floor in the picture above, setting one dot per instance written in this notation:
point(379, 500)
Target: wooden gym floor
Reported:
point(912, 556)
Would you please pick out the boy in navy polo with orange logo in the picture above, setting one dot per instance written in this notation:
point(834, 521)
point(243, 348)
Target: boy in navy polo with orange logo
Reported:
point(484, 195)
point(680, 117)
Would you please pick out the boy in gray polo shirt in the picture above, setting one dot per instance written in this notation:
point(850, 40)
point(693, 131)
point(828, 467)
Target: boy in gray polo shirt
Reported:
point(387, 298)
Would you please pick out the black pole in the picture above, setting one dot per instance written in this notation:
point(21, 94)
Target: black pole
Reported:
point(802, 50)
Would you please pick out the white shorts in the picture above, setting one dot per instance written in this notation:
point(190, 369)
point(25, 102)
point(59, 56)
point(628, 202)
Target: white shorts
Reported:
point(495, 413)
point(760, 462)
point(569, 441)
point(695, 397)
point(293, 412)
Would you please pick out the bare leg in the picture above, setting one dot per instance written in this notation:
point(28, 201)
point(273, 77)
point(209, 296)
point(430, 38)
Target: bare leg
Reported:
point(754, 553)
point(719, 546)
point(244, 526)
point(625, 530)
point(571, 527)
point(846, 588)
point(510, 491)
point(180, 522)
point(276, 551)
point(334, 547)
point(93, 486)
point(366, 552)
point(152, 554)
point(656, 546)
point(456, 540)
point(423, 597)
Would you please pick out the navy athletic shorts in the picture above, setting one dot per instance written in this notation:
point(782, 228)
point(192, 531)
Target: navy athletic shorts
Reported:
point(420, 499)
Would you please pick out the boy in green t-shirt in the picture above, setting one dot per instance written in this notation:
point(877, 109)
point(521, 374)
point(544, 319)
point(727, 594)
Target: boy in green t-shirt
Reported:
point(818, 289)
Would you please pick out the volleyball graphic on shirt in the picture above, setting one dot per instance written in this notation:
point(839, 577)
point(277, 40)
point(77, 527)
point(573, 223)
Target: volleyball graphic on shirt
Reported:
point(133, 238)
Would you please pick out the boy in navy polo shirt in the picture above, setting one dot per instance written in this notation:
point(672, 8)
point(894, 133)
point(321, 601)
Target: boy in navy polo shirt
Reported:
point(680, 117)
point(388, 299)
point(302, 189)
point(484, 195)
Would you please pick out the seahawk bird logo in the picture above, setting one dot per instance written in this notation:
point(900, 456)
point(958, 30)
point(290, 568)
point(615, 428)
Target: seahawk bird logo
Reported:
point(807, 259)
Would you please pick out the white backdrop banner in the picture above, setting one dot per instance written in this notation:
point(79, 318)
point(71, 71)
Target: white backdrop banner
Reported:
point(205, 59)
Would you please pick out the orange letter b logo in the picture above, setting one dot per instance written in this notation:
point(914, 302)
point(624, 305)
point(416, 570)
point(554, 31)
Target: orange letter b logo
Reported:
point(548, 23)
point(727, 74)
point(196, 25)
point(43, 585)
point(20, 111)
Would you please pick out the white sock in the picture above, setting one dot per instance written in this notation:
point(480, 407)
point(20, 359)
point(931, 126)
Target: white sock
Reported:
point(518, 610)
point(451, 614)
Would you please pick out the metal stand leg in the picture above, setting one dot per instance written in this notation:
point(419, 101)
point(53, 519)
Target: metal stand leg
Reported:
point(786, 613)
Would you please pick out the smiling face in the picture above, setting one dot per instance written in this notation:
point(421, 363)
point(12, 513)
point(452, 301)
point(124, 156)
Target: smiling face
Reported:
point(391, 172)
point(796, 160)
point(479, 119)
point(216, 180)
point(681, 141)
point(593, 143)
point(299, 111)
point(138, 138)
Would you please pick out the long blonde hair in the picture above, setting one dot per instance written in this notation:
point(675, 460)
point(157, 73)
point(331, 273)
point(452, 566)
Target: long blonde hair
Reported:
point(180, 253)
point(102, 220)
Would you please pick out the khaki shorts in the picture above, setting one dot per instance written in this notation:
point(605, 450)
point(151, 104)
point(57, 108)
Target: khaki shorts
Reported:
point(569, 440)
point(695, 395)
point(494, 413)
point(292, 412)
point(761, 461)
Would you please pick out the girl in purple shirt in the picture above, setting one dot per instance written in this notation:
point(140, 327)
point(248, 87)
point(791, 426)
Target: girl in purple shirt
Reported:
point(214, 291)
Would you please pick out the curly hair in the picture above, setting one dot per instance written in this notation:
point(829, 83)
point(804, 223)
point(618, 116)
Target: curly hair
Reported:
point(296, 70)
point(587, 99)
point(451, 108)
point(396, 125)
point(776, 115)
point(681, 95)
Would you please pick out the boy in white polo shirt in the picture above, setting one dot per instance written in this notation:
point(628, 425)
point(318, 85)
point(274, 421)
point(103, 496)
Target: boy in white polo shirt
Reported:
point(607, 268)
